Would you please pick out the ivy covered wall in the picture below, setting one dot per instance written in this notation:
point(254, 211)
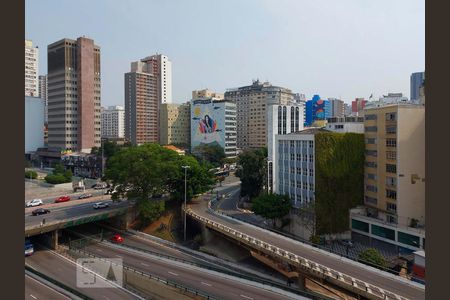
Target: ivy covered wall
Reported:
point(339, 175)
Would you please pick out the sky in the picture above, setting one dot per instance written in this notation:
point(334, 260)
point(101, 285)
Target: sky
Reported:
point(338, 49)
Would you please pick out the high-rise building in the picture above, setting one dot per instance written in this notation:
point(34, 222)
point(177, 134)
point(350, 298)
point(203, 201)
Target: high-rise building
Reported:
point(251, 104)
point(213, 122)
point(113, 122)
point(337, 108)
point(34, 123)
point(347, 109)
point(317, 109)
point(142, 100)
point(300, 99)
point(31, 69)
point(416, 81)
point(74, 102)
point(175, 124)
point(43, 93)
point(358, 106)
point(394, 197)
point(281, 119)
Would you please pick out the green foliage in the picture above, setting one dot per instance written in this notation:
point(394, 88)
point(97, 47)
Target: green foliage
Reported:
point(413, 223)
point(230, 160)
point(58, 169)
point(68, 175)
point(213, 154)
point(372, 257)
point(150, 211)
point(339, 176)
point(252, 171)
point(315, 239)
point(31, 174)
point(56, 179)
point(271, 206)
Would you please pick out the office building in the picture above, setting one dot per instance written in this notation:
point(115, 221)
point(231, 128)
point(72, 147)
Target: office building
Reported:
point(205, 94)
point(281, 119)
point(314, 168)
point(358, 106)
point(34, 123)
point(31, 69)
point(337, 108)
point(416, 81)
point(213, 122)
point(175, 124)
point(113, 122)
point(317, 109)
point(347, 109)
point(394, 197)
point(251, 104)
point(346, 124)
point(74, 101)
point(43, 94)
point(142, 101)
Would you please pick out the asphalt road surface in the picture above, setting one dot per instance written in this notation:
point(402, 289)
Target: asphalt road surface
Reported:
point(220, 287)
point(36, 290)
point(335, 262)
point(64, 271)
point(73, 196)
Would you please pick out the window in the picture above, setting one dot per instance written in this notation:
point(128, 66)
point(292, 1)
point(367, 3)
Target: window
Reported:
point(338, 126)
point(359, 225)
point(370, 200)
point(391, 181)
point(391, 154)
point(371, 176)
point(370, 117)
point(383, 232)
point(391, 168)
point(371, 152)
point(391, 194)
point(391, 129)
point(391, 219)
point(391, 143)
point(371, 128)
point(408, 239)
point(371, 141)
point(391, 207)
point(371, 188)
point(370, 164)
point(391, 116)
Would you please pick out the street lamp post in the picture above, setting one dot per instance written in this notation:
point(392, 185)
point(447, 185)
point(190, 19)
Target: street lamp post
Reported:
point(185, 192)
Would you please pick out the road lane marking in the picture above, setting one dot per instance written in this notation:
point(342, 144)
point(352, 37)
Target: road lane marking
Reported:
point(33, 296)
point(144, 264)
point(246, 297)
point(173, 273)
point(99, 250)
point(206, 283)
point(118, 256)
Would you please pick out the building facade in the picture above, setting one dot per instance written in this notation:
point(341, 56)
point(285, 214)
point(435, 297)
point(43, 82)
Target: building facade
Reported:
point(416, 81)
point(34, 123)
point(281, 119)
point(175, 124)
point(358, 106)
point(346, 124)
point(337, 108)
point(394, 197)
point(43, 93)
point(142, 101)
point(113, 122)
point(31, 69)
point(213, 122)
point(317, 109)
point(74, 98)
point(205, 94)
point(251, 104)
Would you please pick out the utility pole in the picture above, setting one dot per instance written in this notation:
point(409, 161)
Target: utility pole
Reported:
point(185, 192)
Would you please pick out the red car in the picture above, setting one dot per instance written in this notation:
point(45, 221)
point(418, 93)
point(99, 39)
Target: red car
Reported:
point(62, 199)
point(117, 239)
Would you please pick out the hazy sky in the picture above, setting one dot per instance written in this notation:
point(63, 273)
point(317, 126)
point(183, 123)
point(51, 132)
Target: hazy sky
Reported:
point(343, 49)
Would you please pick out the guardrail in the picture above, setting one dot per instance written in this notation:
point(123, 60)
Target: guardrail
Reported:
point(350, 283)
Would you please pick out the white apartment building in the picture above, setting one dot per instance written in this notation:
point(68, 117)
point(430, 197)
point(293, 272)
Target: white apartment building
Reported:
point(31, 69)
point(346, 124)
point(113, 122)
point(43, 83)
point(281, 119)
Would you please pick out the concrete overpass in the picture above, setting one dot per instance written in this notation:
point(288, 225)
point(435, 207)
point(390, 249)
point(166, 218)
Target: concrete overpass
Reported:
point(355, 277)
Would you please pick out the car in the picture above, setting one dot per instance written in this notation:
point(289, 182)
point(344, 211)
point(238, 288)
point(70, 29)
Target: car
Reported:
point(29, 249)
point(62, 199)
point(34, 202)
point(347, 243)
point(40, 211)
point(99, 186)
point(100, 205)
point(84, 196)
point(117, 239)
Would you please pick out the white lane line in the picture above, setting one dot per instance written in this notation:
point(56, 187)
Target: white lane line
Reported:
point(46, 286)
point(33, 296)
point(118, 256)
point(99, 250)
point(206, 283)
point(144, 264)
point(246, 297)
point(173, 273)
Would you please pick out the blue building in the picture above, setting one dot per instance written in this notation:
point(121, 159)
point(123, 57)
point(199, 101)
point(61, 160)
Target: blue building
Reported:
point(416, 82)
point(317, 109)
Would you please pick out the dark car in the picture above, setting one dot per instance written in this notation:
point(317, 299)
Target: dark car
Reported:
point(62, 199)
point(84, 196)
point(40, 211)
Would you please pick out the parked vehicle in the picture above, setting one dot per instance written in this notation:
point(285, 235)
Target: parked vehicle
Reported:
point(117, 239)
point(40, 211)
point(29, 249)
point(62, 199)
point(99, 186)
point(84, 196)
point(34, 202)
point(98, 205)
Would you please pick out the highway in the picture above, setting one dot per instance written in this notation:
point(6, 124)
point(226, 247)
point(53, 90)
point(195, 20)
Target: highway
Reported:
point(64, 271)
point(332, 261)
point(73, 196)
point(35, 290)
point(215, 284)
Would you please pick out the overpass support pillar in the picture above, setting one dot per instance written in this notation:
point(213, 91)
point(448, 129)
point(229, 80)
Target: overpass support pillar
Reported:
point(53, 239)
point(301, 281)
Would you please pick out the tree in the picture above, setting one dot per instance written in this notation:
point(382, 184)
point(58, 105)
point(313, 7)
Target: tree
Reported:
point(252, 171)
point(214, 154)
point(59, 175)
point(372, 257)
point(149, 211)
point(271, 206)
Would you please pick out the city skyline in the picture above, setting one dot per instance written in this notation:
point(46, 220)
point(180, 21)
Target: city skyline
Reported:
point(342, 50)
